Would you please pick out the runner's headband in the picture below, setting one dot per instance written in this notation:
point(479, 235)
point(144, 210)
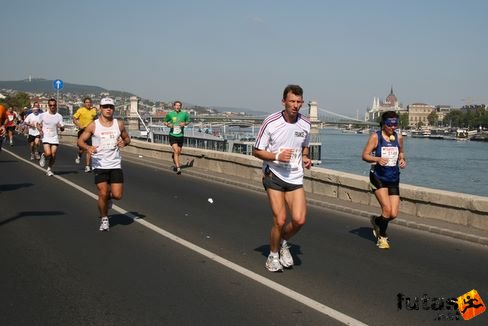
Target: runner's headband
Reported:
point(391, 122)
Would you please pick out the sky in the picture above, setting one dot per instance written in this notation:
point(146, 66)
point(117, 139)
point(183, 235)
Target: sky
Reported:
point(242, 54)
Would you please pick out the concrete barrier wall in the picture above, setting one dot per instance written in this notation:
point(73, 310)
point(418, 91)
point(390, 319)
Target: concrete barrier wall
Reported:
point(457, 208)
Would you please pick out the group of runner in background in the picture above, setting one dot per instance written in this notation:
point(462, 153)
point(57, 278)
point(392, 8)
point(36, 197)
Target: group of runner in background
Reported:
point(103, 155)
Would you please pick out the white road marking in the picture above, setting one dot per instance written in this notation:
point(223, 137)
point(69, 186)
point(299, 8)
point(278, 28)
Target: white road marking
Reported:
point(322, 308)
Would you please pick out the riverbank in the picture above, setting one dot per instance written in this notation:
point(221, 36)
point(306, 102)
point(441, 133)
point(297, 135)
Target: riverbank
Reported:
point(482, 136)
point(432, 163)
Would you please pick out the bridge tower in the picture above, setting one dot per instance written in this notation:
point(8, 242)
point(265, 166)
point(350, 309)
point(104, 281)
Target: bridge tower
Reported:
point(313, 111)
point(313, 114)
point(133, 114)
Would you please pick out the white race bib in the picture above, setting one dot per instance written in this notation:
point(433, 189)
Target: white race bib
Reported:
point(176, 129)
point(108, 141)
point(391, 153)
point(294, 159)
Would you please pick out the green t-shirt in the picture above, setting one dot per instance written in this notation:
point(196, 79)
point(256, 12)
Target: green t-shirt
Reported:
point(176, 119)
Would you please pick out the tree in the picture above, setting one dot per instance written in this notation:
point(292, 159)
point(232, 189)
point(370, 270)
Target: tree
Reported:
point(403, 123)
point(432, 118)
point(18, 101)
point(470, 118)
point(453, 118)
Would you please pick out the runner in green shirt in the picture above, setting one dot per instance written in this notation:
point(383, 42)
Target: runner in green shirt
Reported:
point(176, 120)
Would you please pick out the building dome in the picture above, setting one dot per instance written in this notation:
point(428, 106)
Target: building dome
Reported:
point(391, 98)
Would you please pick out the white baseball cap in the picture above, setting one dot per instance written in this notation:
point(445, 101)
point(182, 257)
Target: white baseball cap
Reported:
point(107, 101)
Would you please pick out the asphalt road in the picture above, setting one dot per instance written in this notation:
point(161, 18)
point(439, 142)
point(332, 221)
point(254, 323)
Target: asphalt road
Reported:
point(186, 261)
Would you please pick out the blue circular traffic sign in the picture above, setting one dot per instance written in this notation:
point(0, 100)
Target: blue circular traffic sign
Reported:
point(58, 84)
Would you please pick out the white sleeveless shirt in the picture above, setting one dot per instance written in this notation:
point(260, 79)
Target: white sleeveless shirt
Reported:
point(105, 139)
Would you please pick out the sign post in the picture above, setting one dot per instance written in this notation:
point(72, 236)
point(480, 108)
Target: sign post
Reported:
point(58, 85)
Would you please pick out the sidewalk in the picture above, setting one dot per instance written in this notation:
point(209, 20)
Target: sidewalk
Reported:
point(425, 224)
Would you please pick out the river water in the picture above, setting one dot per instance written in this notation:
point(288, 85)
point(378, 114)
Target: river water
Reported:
point(459, 166)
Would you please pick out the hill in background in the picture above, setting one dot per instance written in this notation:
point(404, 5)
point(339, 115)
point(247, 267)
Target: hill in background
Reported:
point(46, 86)
point(39, 85)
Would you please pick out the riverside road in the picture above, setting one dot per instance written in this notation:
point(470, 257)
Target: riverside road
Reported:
point(174, 258)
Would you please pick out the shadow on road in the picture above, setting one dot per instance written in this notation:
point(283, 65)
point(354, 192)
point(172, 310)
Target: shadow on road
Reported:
point(68, 172)
point(122, 219)
point(31, 214)
point(365, 233)
point(11, 187)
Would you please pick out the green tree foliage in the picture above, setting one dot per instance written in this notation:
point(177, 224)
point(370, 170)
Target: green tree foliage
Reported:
point(432, 118)
point(403, 121)
point(470, 117)
point(18, 101)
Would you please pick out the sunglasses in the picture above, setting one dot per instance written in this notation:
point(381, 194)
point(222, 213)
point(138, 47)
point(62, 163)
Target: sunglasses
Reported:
point(391, 124)
point(108, 107)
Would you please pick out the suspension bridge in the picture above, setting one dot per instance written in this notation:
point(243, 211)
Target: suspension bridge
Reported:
point(319, 117)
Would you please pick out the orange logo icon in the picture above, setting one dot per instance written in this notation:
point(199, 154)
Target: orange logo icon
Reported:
point(470, 305)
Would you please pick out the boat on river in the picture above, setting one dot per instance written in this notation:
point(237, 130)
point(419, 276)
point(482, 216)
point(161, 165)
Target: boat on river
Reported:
point(420, 133)
point(460, 134)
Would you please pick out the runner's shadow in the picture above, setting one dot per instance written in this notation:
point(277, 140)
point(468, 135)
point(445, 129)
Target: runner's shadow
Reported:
point(67, 172)
point(188, 164)
point(365, 233)
point(264, 250)
point(11, 187)
point(31, 214)
point(295, 251)
point(122, 219)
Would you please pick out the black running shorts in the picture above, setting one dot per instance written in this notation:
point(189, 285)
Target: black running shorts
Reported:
point(376, 183)
point(270, 181)
point(176, 140)
point(108, 175)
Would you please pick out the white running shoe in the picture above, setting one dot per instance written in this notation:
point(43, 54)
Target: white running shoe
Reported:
point(49, 173)
point(42, 161)
point(87, 169)
point(273, 264)
point(286, 260)
point(32, 157)
point(178, 171)
point(77, 159)
point(104, 224)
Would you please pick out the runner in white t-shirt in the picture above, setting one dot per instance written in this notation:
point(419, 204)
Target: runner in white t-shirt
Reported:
point(50, 124)
point(34, 135)
point(282, 143)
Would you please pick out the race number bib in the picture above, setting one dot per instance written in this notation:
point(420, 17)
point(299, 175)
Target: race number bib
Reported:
point(176, 129)
point(391, 153)
point(108, 141)
point(294, 160)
